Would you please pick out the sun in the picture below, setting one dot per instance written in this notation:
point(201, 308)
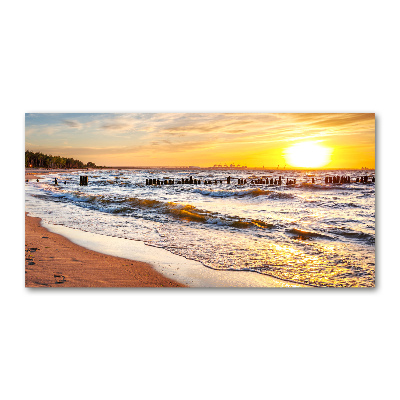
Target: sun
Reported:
point(308, 155)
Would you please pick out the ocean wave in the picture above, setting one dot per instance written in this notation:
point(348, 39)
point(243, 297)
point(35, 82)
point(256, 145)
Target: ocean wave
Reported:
point(253, 192)
point(341, 205)
point(353, 234)
point(183, 212)
point(281, 195)
point(302, 234)
point(229, 193)
point(190, 213)
point(330, 186)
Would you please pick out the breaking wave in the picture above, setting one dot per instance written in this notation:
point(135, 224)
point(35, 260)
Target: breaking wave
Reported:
point(332, 186)
point(254, 192)
point(353, 234)
point(307, 235)
point(183, 212)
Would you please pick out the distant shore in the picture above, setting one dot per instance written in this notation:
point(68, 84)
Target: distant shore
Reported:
point(33, 173)
point(30, 171)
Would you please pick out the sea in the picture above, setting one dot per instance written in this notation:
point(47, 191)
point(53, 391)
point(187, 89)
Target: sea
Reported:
point(316, 234)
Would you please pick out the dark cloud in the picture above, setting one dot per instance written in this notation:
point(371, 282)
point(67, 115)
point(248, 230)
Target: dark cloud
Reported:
point(71, 123)
point(115, 126)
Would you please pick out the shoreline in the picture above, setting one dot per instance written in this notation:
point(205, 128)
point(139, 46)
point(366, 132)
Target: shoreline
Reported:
point(187, 272)
point(51, 260)
point(68, 257)
point(88, 248)
point(35, 173)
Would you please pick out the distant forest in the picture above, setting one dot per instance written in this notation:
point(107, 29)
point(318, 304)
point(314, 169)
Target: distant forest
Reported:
point(40, 160)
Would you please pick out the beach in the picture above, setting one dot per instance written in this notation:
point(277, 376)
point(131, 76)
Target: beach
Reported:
point(54, 257)
point(218, 234)
point(306, 233)
point(53, 261)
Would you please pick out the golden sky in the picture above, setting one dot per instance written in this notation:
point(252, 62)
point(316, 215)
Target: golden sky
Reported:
point(186, 139)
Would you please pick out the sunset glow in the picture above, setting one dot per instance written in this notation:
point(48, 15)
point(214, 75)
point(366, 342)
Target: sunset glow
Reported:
point(207, 139)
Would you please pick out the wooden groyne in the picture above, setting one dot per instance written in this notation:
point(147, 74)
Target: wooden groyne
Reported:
point(259, 181)
point(228, 181)
point(278, 181)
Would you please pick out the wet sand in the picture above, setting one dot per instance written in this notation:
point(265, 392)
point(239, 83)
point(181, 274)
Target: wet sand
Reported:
point(53, 261)
point(188, 272)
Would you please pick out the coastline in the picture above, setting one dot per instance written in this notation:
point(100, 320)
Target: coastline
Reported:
point(51, 260)
point(57, 256)
point(72, 258)
point(187, 272)
point(35, 173)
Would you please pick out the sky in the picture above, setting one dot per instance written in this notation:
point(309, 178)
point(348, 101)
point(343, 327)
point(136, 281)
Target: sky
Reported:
point(202, 139)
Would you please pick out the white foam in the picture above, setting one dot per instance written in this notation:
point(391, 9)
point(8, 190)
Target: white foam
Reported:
point(188, 272)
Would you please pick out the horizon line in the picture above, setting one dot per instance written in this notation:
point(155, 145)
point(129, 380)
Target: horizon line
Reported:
point(216, 168)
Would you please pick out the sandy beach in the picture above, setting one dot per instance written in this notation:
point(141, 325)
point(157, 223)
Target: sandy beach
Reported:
point(53, 257)
point(53, 261)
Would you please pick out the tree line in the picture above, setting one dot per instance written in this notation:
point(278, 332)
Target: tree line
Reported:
point(40, 160)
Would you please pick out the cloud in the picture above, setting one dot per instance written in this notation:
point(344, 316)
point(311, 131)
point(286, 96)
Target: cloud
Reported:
point(155, 135)
point(334, 120)
point(40, 131)
point(72, 124)
point(116, 126)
